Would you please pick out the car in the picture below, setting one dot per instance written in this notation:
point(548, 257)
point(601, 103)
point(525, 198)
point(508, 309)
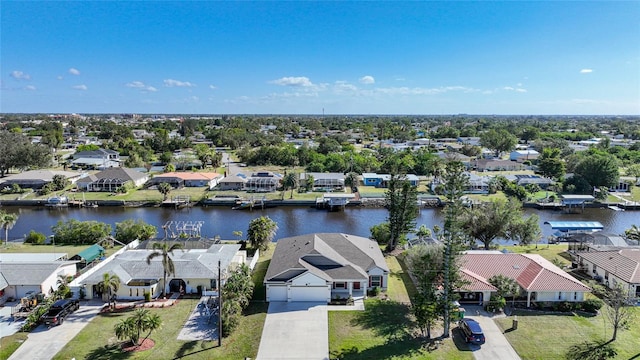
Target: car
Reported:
point(472, 331)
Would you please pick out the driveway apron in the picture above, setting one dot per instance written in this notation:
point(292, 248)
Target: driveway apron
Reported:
point(496, 346)
point(295, 330)
point(44, 344)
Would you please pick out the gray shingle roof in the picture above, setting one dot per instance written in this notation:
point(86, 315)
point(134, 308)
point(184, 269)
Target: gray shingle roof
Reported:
point(624, 263)
point(28, 273)
point(331, 256)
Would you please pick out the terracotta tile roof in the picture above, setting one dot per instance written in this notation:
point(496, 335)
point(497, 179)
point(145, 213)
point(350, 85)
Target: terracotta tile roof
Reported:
point(532, 272)
point(624, 264)
point(190, 175)
point(475, 282)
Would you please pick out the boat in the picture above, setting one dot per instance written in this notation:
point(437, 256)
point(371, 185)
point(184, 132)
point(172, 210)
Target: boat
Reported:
point(57, 201)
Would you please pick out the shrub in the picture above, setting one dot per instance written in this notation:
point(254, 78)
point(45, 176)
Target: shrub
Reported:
point(564, 306)
point(592, 305)
point(496, 303)
point(147, 296)
point(35, 238)
point(375, 291)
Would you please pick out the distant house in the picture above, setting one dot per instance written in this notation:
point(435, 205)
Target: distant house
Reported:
point(96, 159)
point(539, 279)
point(497, 165)
point(263, 181)
point(523, 155)
point(325, 181)
point(524, 180)
point(319, 267)
point(619, 267)
point(233, 182)
point(187, 179)
point(382, 180)
point(21, 273)
point(36, 179)
point(111, 179)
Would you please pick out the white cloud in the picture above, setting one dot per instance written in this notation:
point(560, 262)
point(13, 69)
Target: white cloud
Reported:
point(367, 79)
point(30, 87)
point(586, 71)
point(212, 87)
point(151, 88)
point(74, 71)
point(140, 85)
point(80, 87)
point(59, 77)
point(177, 83)
point(343, 86)
point(19, 75)
point(302, 81)
point(518, 89)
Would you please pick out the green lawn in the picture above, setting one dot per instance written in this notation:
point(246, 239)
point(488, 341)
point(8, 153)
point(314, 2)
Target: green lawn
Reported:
point(69, 249)
point(385, 329)
point(545, 337)
point(9, 344)
point(549, 252)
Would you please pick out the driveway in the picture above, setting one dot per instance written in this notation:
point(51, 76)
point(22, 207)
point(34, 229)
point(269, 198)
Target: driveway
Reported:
point(44, 344)
point(496, 346)
point(296, 330)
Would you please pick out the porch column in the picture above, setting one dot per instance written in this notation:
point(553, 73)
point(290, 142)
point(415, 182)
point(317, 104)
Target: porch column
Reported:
point(528, 298)
point(350, 288)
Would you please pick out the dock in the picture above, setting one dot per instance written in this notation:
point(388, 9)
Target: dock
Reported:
point(333, 201)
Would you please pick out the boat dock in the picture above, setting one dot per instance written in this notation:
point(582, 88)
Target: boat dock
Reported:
point(333, 201)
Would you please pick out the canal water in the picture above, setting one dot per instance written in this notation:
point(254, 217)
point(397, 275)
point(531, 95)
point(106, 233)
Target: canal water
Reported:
point(292, 221)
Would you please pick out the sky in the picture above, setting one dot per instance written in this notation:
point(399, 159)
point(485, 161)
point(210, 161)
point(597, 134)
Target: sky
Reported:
point(306, 57)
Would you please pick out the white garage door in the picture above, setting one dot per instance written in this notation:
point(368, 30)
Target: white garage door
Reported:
point(310, 293)
point(277, 293)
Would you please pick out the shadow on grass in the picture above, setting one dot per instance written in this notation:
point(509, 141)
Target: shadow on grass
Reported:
point(256, 308)
point(188, 348)
point(592, 350)
point(406, 348)
point(108, 352)
point(388, 319)
point(406, 279)
point(534, 312)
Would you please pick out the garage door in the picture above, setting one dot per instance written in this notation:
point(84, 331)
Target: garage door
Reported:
point(277, 293)
point(310, 293)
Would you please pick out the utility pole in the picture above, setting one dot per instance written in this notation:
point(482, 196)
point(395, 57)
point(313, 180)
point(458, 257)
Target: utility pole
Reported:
point(219, 304)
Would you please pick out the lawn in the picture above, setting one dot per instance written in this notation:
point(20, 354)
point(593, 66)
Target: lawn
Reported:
point(549, 252)
point(385, 329)
point(9, 344)
point(69, 249)
point(559, 332)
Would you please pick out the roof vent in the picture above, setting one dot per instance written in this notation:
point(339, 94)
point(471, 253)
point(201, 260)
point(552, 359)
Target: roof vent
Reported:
point(516, 267)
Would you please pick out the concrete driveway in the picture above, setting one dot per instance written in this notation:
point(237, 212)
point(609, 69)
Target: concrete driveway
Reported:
point(44, 344)
point(496, 346)
point(296, 330)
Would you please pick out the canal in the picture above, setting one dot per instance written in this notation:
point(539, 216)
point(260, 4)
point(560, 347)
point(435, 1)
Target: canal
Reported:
point(292, 221)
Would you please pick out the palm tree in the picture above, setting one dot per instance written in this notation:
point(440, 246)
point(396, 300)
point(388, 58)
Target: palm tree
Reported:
point(164, 189)
point(164, 250)
point(310, 181)
point(633, 233)
point(109, 285)
point(63, 286)
point(7, 221)
point(290, 181)
point(423, 232)
point(133, 326)
point(261, 231)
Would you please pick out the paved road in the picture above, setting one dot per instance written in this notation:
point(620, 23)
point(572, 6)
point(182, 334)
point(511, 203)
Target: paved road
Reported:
point(496, 346)
point(44, 344)
point(295, 330)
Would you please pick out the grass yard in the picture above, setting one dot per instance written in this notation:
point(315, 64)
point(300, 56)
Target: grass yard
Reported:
point(549, 252)
point(543, 337)
point(69, 249)
point(385, 329)
point(9, 344)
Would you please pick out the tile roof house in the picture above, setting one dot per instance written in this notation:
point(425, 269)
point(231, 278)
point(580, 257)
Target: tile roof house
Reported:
point(614, 267)
point(537, 277)
point(196, 271)
point(96, 159)
point(319, 267)
point(36, 179)
point(19, 275)
point(187, 179)
point(111, 179)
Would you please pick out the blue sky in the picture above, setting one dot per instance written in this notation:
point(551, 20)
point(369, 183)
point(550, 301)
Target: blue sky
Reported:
point(507, 57)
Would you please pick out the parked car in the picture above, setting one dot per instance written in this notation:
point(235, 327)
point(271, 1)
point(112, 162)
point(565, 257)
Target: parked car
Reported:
point(58, 311)
point(472, 331)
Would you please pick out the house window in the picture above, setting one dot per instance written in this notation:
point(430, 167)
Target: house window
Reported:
point(339, 285)
point(595, 269)
point(559, 295)
point(606, 275)
point(575, 296)
point(375, 280)
point(356, 285)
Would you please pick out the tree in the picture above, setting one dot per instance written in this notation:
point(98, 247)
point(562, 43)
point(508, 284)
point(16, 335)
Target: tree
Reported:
point(59, 182)
point(261, 232)
point(426, 266)
point(500, 141)
point(164, 189)
point(401, 200)
point(633, 233)
point(80, 232)
point(598, 170)
point(423, 232)
point(165, 251)
point(310, 182)
point(550, 163)
point(506, 286)
point(489, 221)
point(290, 181)
point(63, 289)
point(351, 180)
point(7, 220)
point(130, 230)
point(239, 286)
point(17, 151)
point(634, 170)
point(380, 233)
point(618, 312)
point(525, 230)
point(108, 286)
point(132, 327)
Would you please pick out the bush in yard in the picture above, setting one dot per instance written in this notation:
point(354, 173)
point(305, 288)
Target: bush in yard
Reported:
point(592, 305)
point(496, 303)
point(375, 291)
point(35, 238)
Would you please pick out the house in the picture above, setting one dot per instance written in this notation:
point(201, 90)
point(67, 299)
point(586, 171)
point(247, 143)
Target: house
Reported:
point(96, 159)
point(538, 278)
point(523, 155)
point(196, 270)
point(187, 179)
point(322, 266)
point(382, 180)
point(455, 156)
point(524, 180)
point(620, 267)
point(496, 165)
point(233, 182)
point(24, 272)
point(111, 179)
point(263, 181)
point(37, 179)
point(324, 181)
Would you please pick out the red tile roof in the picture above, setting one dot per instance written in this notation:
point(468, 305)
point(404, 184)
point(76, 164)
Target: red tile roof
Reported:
point(475, 282)
point(532, 272)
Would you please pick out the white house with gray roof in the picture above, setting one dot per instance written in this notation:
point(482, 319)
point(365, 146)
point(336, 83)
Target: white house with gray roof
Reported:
point(19, 274)
point(619, 267)
point(319, 267)
point(196, 271)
